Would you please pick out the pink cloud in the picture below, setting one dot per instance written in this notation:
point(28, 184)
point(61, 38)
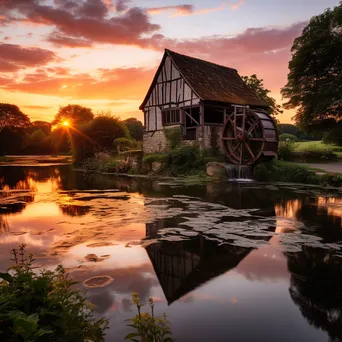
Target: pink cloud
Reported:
point(14, 57)
point(183, 10)
point(64, 41)
point(83, 20)
point(237, 5)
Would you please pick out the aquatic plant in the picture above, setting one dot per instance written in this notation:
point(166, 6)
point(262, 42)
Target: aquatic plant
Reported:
point(44, 306)
point(148, 328)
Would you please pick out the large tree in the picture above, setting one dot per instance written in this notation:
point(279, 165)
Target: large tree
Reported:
point(135, 128)
point(12, 116)
point(314, 84)
point(257, 86)
point(74, 114)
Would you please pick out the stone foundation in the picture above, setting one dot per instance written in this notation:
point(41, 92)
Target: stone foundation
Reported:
point(154, 142)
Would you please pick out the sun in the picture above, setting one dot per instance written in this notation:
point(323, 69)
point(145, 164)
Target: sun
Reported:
point(66, 123)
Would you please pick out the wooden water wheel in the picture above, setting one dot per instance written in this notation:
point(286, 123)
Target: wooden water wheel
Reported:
point(249, 135)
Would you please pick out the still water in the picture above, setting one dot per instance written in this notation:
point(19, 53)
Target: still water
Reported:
point(237, 262)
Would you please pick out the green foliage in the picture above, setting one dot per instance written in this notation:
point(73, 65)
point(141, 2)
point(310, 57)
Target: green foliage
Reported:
point(44, 306)
point(274, 171)
point(287, 136)
point(147, 327)
point(313, 154)
point(148, 159)
point(104, 162)
point(334, 135)
point(286, 149)
point(257, 86)
point(294, 173)
point(315, 78)
point(135, 128)
point(173, 136)
point(183, 159)
point(75, 113)
point(125, 144)
point(105, 129)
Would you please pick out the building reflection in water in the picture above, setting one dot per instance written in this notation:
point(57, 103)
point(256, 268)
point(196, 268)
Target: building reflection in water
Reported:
point(183, 266)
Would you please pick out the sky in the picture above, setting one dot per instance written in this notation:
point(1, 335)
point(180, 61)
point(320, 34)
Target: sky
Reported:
point(103, 53)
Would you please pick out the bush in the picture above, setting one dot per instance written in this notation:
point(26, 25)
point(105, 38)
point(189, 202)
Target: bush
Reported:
point(125, 144)
point(287, 137)
point(183, 159)
point(44, 307)
point(285, 150)
point(334, 135)
point(277, 171)
point(154, 157)
point(173, 136)
point(313, 154)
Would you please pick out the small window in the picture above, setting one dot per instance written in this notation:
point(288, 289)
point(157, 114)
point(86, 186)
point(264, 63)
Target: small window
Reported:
point(171, 117)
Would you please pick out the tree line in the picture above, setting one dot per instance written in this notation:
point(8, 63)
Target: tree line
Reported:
point(73, 128)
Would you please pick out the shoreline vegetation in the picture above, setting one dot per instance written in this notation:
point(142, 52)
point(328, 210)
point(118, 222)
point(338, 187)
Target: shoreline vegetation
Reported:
point(40, 305)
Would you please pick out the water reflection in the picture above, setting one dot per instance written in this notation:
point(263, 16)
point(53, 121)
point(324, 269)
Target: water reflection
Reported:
point(184, 266)
point(210, 252)
point(316, 287)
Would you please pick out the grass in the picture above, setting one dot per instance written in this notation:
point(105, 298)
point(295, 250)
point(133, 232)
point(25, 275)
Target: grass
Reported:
point(318, 145)
point(282, 163)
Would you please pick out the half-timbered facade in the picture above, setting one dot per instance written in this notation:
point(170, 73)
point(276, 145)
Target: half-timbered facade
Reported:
point(196, 96)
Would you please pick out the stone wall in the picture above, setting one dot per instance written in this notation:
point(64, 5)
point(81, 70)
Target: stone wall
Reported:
point(212, 137)
point(154, 142)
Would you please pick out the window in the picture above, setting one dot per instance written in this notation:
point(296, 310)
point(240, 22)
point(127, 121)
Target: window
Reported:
point(213, 115)
point(171, 117)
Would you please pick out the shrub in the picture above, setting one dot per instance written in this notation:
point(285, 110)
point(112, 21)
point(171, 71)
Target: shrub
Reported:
point(261, 173)
point(285, 150)
point(154, 157)
point(334, 135)
point(148, 327)
point(287, 137)
point(317, 154)
point(173, 136)
point(182, 160)
point(44, 307)
point(125, 144)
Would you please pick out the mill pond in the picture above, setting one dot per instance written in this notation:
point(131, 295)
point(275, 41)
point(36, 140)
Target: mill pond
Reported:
point(224, 261)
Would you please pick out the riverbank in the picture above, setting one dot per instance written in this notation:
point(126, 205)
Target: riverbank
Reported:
point(35, 160)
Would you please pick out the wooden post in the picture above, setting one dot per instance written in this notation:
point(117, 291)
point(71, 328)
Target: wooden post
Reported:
point(201, 136)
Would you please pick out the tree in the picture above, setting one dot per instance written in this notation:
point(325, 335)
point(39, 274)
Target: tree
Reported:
point(42, 125)
point(74, 114)
point(104, 129)
point(12, 116)
point(135, 128)
point(257, 86)
point(314, 84)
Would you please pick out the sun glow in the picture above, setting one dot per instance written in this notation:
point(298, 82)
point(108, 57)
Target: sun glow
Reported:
point(66, 123)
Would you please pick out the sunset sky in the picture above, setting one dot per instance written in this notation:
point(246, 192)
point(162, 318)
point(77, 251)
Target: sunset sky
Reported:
point(103, 53)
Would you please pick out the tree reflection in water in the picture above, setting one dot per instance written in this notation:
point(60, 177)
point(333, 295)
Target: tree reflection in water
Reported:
point(316, 287)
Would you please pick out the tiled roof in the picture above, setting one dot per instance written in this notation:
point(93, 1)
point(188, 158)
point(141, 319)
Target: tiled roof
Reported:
point(213, 82)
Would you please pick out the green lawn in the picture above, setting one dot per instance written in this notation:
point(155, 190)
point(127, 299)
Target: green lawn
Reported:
point(305, 145)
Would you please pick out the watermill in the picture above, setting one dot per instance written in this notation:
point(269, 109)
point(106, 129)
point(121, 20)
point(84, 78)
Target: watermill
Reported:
point(249, 135)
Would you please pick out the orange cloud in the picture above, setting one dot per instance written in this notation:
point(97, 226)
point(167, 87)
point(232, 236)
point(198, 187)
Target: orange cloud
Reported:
point(108, 84)
point(183, 10)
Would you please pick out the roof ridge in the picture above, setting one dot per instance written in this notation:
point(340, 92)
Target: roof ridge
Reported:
point(168, 51)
